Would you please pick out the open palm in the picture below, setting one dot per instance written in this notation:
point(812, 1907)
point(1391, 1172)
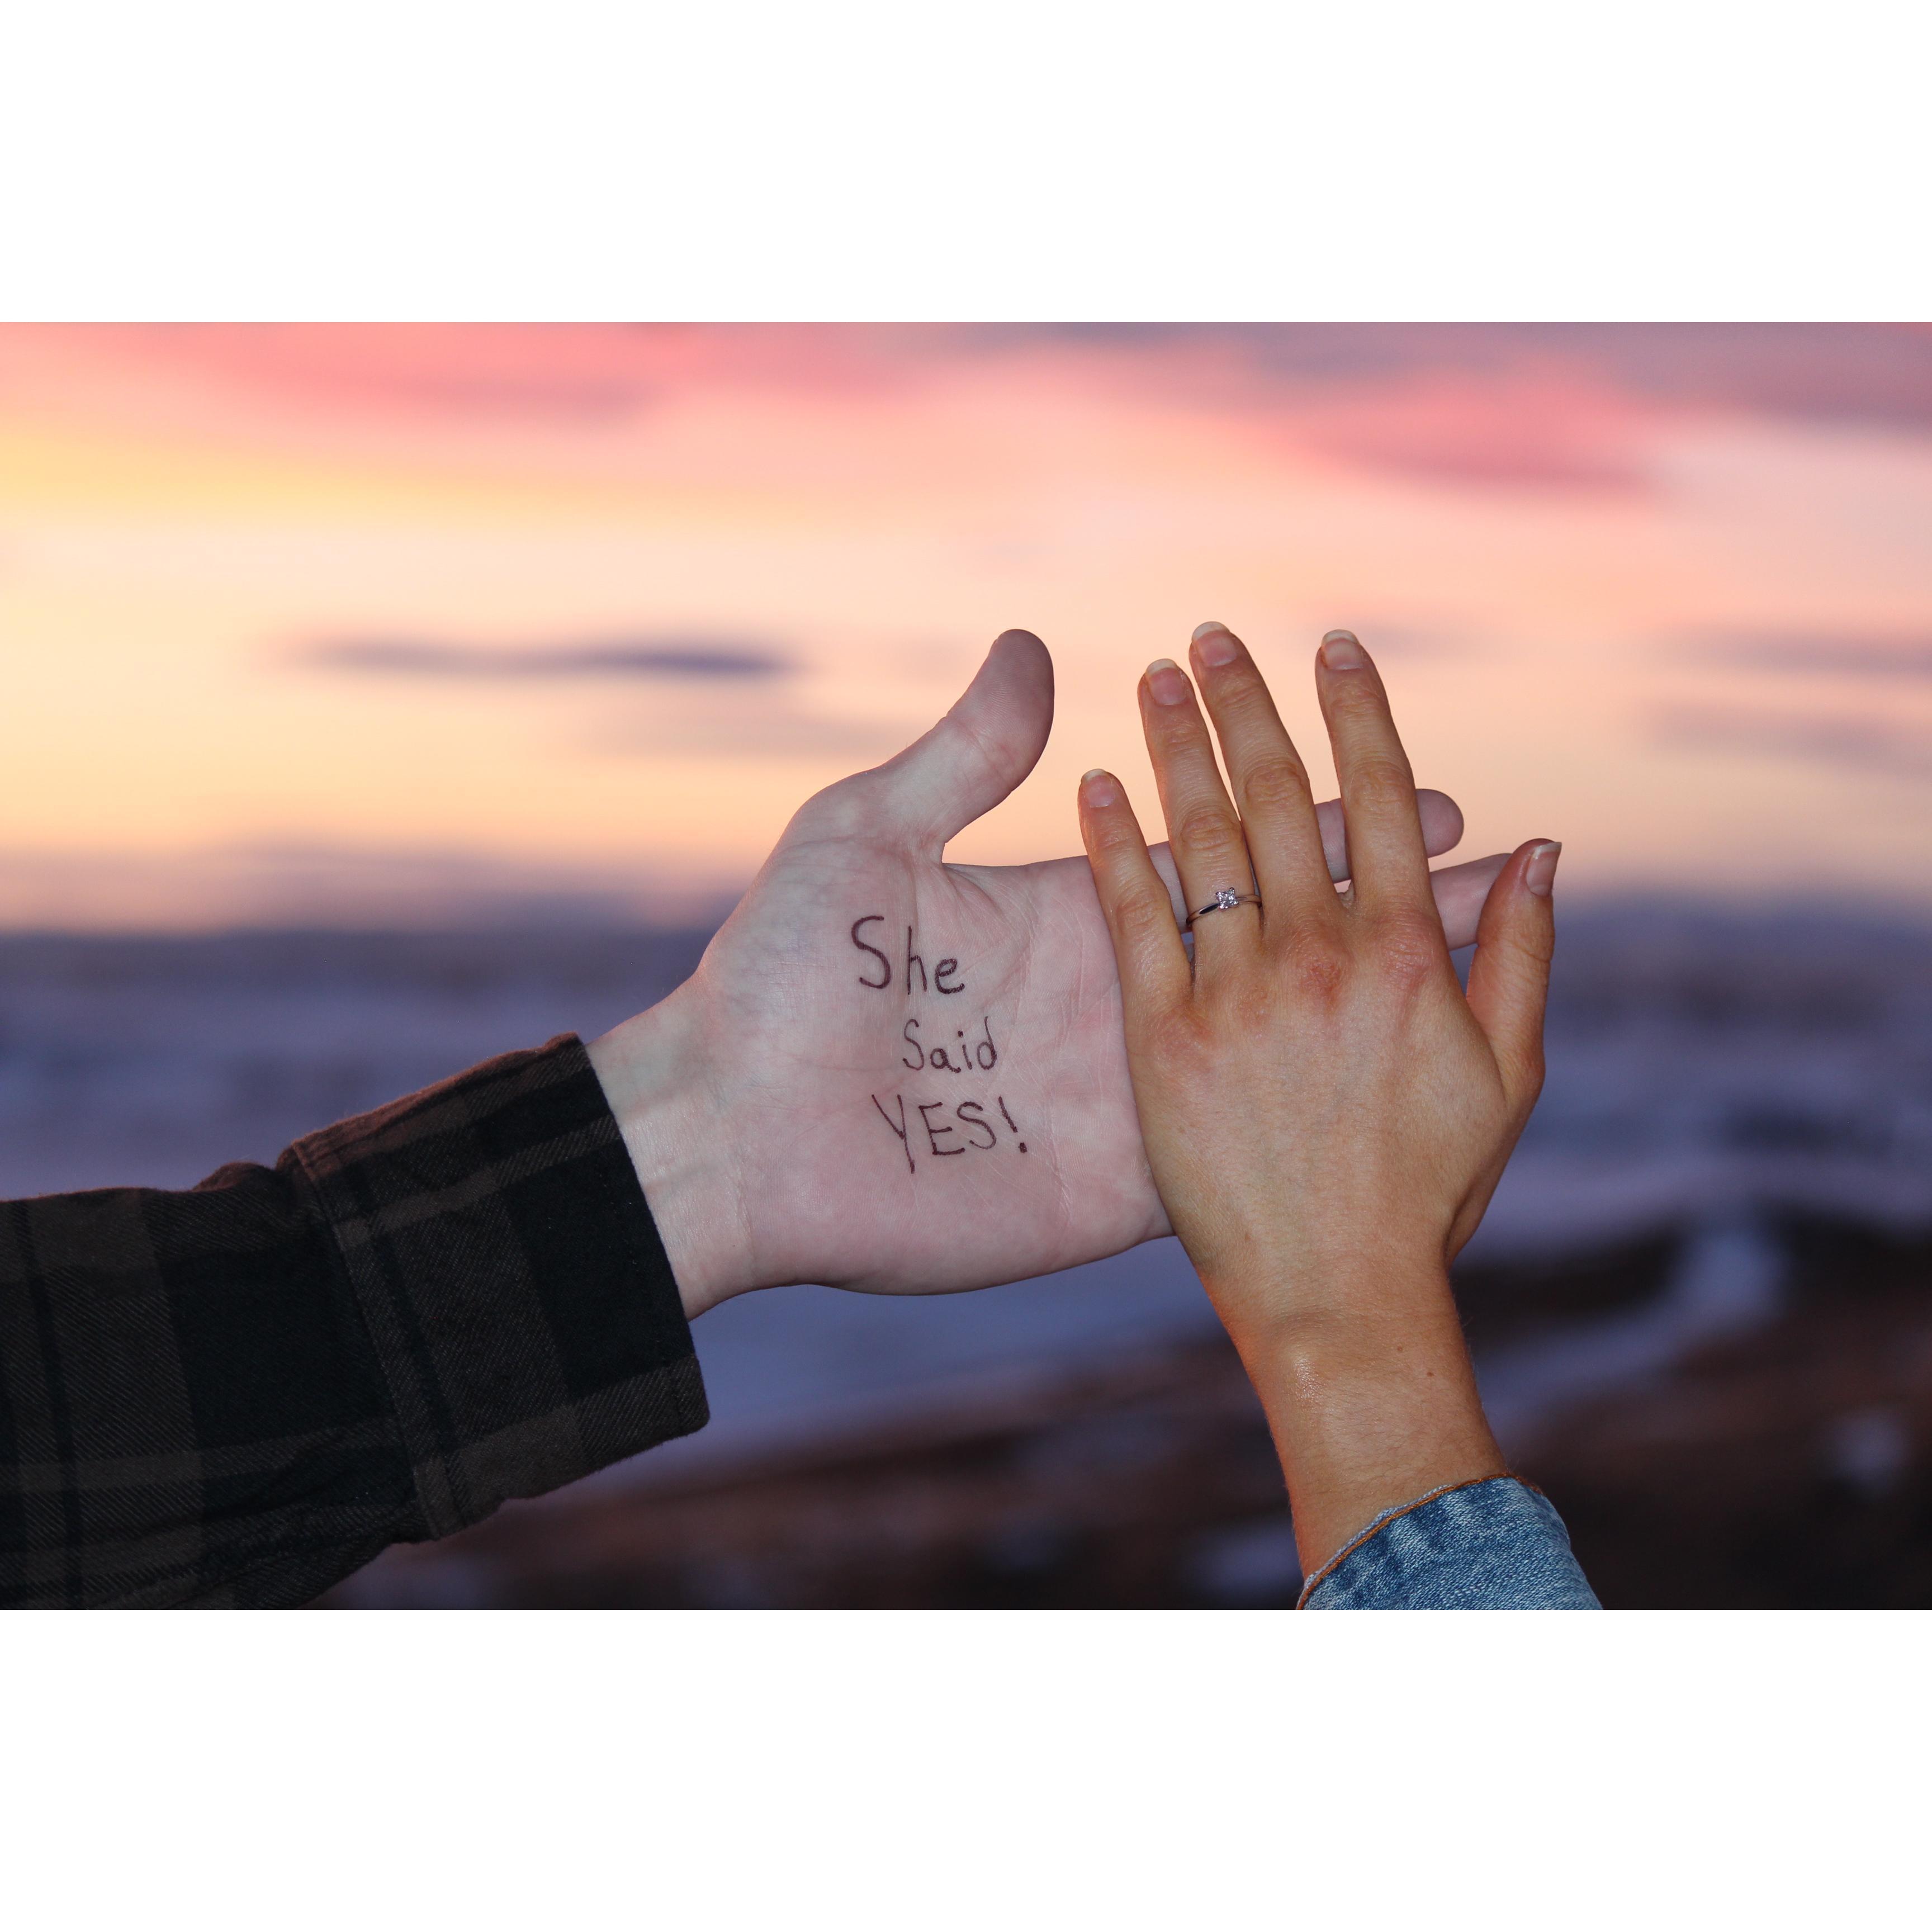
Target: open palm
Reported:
point(893, 1074)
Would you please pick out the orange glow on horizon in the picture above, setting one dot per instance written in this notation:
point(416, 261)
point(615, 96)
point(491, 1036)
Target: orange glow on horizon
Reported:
point(1562, 566)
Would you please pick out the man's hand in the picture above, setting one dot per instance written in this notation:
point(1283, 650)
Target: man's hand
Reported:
point(893, 1074)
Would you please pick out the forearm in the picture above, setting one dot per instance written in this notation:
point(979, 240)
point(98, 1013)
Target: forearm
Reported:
point(1367, 1384)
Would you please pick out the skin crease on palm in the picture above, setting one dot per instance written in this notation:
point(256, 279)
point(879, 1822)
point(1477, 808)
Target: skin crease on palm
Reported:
point(763, 1102)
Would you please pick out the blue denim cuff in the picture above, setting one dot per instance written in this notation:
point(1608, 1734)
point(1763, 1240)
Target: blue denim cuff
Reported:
point(1493, 1545)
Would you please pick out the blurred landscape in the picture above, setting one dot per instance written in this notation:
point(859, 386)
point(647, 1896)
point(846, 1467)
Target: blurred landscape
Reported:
point(376, 699)
point(1701, 1305)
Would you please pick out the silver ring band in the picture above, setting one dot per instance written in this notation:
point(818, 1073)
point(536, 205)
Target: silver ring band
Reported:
point(1225, 900)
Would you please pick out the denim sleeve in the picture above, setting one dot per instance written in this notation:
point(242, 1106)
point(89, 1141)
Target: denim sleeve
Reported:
point(1493, 1545)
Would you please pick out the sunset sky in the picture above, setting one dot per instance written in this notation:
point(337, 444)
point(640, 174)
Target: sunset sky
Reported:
point(397, 623)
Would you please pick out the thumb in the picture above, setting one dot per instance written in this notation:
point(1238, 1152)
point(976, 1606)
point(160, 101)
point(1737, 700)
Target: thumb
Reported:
point(977, 753)
point(1509, 978)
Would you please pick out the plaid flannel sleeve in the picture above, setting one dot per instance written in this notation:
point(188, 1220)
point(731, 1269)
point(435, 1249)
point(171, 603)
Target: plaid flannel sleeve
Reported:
point(237, 1395)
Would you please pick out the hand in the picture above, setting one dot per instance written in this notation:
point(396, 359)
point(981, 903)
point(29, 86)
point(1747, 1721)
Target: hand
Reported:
point(893, 1074)
point(1325, 1113)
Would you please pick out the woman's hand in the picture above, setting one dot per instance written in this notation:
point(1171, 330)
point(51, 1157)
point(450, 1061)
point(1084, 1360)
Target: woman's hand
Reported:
point(1325, 1112)
point(894, 1074)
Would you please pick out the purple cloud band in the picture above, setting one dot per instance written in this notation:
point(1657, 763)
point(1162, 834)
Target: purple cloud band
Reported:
point(613, 658)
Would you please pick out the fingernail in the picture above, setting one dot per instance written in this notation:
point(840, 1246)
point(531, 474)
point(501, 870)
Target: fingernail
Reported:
point(1214, 645)
point(1166, 681)
point(1539, 871)
point(1341, 650)
point(1098, 789)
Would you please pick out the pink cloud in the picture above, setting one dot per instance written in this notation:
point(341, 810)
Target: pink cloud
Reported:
point(561, 375)
point(1473, 406)
point(1534, 429)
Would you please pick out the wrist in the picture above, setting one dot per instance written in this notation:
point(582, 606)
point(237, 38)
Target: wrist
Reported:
point(1369, 1395)
point(1370, 1338)
point(652, 1070)
point(1294, 1296)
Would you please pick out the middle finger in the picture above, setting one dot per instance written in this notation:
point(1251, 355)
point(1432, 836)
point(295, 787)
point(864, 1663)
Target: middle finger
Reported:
point(1271, 782)
point(1210, 852)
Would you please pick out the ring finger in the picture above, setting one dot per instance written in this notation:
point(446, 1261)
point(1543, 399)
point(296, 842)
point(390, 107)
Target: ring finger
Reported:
point(1210, 852)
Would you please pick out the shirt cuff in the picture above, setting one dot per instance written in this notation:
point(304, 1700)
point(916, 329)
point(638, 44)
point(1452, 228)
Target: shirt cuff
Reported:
point(1494, 1544)
point(518, 1296)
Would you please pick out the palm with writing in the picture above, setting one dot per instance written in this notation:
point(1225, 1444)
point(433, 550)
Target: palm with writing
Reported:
point(893, 1074)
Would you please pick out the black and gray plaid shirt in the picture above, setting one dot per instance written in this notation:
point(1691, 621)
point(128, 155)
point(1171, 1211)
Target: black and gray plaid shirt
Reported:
point(238, 1395)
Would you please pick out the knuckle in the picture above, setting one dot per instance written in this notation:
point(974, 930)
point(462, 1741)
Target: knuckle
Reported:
point(1526, 948)
point(1525, 1084)
point(1316, 965)
point(1248, 1003)
point(1242, 696)
point(1141, 914)
point(1356, 697)
point(1206, 828)
point(1178, 731)
point(1380, 782)
point(1172, 1036)
point(1273, 786)
point(1114, 835)
point(1409, 947)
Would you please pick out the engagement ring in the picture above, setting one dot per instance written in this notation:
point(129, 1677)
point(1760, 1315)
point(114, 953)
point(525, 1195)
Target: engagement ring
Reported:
point(1225, 900)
